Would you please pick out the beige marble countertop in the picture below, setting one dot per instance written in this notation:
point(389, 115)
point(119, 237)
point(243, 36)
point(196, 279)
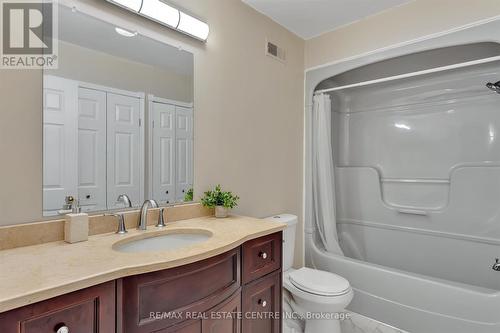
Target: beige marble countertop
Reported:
point(34, 273)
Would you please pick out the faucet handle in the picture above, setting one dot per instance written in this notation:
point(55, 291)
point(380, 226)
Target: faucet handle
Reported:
point(161, 218)
point(496, 265)
point(161, 222)
point(122, 229)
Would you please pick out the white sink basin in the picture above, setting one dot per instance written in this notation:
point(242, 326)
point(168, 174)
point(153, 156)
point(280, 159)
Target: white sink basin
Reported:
point(162, 242)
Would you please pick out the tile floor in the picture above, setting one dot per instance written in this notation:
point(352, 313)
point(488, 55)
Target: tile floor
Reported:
point(357, 323)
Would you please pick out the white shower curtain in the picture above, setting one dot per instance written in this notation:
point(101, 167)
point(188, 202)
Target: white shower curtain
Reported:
point(323, 175)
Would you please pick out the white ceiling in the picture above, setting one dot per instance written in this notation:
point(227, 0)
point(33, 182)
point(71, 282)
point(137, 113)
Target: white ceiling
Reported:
point(311, 18)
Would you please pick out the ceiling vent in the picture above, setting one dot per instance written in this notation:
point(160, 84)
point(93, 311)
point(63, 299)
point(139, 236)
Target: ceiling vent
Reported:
point(275, 51)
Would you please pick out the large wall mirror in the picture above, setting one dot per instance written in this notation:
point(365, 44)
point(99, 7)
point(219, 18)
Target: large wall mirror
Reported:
point(117, 119)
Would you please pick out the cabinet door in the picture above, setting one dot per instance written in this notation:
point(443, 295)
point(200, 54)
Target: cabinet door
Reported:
point(225, 317)
point(262, 305)
point(177, 293)
point(192, 326)
point(89, 310)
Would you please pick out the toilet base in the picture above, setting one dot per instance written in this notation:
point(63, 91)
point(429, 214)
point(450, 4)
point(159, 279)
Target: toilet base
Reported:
point(322, 326)
point(321, 312)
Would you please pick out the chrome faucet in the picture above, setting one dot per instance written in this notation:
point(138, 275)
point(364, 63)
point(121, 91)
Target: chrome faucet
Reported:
point(125, 199)
point(122, 229)
point(496, 265)
point(143, 219)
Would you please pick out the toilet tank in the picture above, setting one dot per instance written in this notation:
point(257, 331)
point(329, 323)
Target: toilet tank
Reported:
point(288, 237)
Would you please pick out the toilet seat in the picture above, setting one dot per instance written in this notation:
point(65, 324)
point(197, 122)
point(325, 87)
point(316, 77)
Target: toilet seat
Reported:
point(318, 282)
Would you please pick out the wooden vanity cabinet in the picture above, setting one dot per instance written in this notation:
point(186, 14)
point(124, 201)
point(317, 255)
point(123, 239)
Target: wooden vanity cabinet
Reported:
point(90, 310)
point(212, 321)
point(262, 305)
point(160, 300)
point(261, 256)
point(224, 318)
point(237, 291)
point(261, 292)
point(245, 281)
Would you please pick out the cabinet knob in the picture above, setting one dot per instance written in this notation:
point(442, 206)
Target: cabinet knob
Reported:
point(263, 255)
point(63, 329)
point(262, 303)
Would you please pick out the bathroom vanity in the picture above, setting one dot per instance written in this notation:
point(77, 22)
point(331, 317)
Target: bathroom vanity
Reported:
point(238, 290)
point(117, 119)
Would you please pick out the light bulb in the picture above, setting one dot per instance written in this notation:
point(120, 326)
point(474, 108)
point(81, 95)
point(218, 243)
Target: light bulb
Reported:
point(193, 27)
point(161, 12)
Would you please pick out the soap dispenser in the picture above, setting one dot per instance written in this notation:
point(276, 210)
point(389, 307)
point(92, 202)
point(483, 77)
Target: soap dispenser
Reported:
point(76, 225)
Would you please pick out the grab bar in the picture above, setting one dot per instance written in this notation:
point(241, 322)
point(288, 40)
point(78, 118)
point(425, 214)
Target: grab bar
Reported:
point(415, 181)
point(412, 211)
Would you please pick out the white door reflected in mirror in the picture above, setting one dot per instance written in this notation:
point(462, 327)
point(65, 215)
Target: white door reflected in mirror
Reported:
point(117, 119)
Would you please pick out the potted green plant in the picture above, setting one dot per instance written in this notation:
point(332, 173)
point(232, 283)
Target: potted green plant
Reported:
point(188, 197)
point(220, 200)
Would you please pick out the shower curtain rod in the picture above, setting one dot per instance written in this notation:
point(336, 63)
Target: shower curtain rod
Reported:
point(412, 74)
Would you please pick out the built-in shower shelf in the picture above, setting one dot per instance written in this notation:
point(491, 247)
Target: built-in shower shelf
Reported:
point(464, 203)
point(415, 180)
point(414, 195)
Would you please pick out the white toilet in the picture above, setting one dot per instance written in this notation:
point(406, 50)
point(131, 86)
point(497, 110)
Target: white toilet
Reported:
point(318, 296)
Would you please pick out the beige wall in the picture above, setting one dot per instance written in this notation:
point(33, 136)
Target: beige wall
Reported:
point(248, 116)
point(248, 107)
point(413, 20)
point(86, 65)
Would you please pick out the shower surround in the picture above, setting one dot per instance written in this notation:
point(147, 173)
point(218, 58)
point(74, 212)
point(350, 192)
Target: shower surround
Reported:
point(416, 145)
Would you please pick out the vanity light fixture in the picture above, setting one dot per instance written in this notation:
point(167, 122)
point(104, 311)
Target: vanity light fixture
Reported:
point(133, 5)
point(160, 12)
point(125, 33)
point(193, 27)
point(169, 16)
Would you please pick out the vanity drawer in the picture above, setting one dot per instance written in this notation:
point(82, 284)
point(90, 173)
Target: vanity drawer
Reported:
point(261, 256)
point(261, 304)
point(179, 291)
point(89, 310)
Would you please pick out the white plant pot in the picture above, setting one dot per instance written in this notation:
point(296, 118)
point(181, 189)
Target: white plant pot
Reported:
point(221, 211)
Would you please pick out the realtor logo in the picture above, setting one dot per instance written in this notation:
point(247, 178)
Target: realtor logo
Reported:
point(28, 34)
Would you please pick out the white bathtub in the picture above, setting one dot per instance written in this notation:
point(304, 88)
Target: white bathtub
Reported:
point(412, 302)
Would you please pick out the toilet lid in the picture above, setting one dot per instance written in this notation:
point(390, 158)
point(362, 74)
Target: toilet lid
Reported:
point(319, 282)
